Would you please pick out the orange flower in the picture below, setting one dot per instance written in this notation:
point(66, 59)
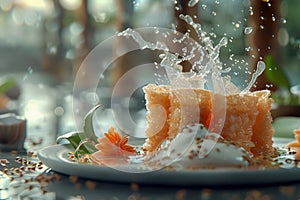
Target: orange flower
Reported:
point(112, 149)
point(116, 139)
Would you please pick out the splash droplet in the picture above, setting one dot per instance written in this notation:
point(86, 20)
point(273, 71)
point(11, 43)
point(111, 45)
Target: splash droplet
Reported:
point(248, 49)
point(70, 55)
point(250, 10)
point(51, 49)
point(178, 68)
point(192, 3)
point(173, 27)
point(30, 70)
point(248, 30)
point(261, 66)
point(136, 3)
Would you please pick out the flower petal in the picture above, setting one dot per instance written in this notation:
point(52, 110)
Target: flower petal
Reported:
point(123, 141)
point(113, 136)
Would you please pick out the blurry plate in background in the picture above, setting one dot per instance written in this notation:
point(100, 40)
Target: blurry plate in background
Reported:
point(284, 126)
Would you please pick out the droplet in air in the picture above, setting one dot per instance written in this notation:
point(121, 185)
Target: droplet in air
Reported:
point(173, 27)
point(52, 49)
point(283, 20)
point(178, 68)
point(248, 49)
point(261, 27)
point(248, 30)
point(136, 3)
point(101, 76)
point(70, 54)
point(30, 70)
point(192, 3)
point(250, 10)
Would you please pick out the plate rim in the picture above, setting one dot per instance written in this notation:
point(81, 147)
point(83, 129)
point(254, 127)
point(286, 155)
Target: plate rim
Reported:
point(208, 177)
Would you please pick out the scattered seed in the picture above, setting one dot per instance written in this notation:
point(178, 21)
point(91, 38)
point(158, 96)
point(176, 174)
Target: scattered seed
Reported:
point(134, 186)
point(90, 184)
point(73, 179)
point(78, 186)
point(181, 194)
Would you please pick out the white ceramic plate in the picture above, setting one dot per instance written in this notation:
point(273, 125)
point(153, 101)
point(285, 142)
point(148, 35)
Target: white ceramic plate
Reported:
point(56, 158)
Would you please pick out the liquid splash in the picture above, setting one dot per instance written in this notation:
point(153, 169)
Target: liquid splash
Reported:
point(207, 70)
point(204, 56)
point(261, 66)
point(141, 42)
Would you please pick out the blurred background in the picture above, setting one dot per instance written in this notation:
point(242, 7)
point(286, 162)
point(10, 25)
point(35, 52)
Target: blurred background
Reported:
point(43, 43)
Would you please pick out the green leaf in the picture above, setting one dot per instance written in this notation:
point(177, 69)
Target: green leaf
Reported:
point(7, 84)
point(84, 142)
point(74, 139)
point(88, 124)
point(275, 75)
